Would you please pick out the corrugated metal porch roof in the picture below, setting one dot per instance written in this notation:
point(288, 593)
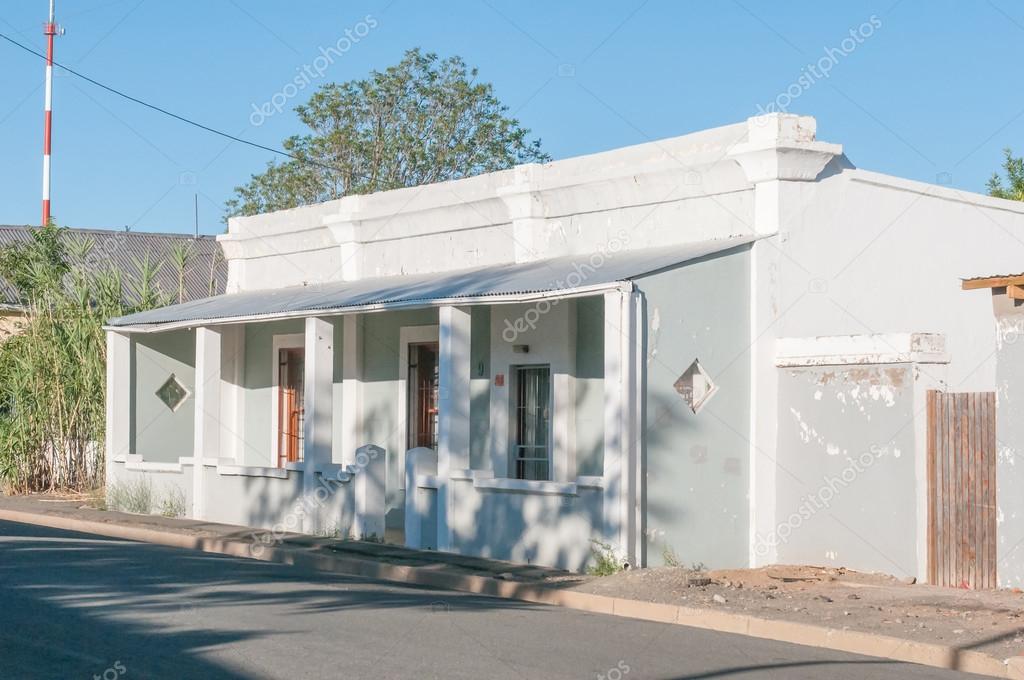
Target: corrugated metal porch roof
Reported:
point(562, 276)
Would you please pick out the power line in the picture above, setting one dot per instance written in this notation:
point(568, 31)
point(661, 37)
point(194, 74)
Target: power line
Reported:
point(166, 112)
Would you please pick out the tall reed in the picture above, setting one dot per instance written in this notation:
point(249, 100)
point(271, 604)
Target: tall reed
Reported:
point(52, 370)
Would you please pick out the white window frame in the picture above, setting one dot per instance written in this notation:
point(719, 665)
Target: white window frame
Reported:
point(408, 335)
point(286, 341)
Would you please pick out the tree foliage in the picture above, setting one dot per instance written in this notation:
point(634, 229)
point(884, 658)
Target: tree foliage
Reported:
point(1013, 189)
point(422, 120)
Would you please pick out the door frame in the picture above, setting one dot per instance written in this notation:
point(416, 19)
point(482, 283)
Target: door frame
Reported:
point(408, 335)
point(287, 341)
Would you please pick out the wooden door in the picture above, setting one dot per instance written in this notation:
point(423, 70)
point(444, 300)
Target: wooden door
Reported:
point(291, 368)
point(962, 489)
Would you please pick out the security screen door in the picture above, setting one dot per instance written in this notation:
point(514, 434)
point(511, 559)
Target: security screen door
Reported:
point(422, 387)
point(532, 415)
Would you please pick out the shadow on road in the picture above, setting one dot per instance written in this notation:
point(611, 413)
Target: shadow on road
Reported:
point(79, 605)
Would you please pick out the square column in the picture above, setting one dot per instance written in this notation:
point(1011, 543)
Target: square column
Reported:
point(622, 410)
point(351, 388)
point(232, 393)
point(453, 411)
point(206, 444)
point(318, 401)
point(119, 406)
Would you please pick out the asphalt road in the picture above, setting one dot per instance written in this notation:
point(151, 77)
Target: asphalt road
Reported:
point(82, 606)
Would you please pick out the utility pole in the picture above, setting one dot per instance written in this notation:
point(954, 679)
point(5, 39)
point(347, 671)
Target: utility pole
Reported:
point(50, 29)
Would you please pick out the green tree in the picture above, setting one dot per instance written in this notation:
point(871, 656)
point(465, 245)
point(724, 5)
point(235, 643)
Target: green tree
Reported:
point(1013, 189)
point(422, 120)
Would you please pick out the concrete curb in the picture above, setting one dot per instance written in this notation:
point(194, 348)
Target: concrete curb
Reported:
point(854, 642)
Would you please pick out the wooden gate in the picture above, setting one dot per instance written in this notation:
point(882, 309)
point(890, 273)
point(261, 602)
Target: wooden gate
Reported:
point(962, 489)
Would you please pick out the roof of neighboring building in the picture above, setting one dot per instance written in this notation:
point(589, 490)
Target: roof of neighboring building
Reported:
point(994, 281)
point(566, 276)
point(206, 274)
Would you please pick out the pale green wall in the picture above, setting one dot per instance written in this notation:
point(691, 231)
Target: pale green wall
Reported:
point(157, 433)
point(590, 385)
point(698, 465)
point(380, 382)
point(259, 367)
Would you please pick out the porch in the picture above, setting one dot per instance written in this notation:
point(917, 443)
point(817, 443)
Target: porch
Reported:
point(498, 426)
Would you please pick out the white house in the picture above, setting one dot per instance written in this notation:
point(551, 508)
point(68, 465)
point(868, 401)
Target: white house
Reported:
point(717, 347)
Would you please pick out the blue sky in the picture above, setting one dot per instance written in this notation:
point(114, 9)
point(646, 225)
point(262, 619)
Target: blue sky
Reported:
point(933, 92)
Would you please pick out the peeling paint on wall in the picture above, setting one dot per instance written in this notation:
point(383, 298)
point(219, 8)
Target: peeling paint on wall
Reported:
point(1009, 325)
point(654, 335)
point(1008, 330)
point(1005, 455)
point(838, 418)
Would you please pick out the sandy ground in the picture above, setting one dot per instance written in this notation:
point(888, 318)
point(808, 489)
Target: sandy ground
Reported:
point(985, 621)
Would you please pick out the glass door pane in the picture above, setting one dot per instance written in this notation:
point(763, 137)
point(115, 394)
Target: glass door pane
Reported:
point(533, 422)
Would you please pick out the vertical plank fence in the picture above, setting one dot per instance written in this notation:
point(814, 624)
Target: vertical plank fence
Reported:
point(962, 489)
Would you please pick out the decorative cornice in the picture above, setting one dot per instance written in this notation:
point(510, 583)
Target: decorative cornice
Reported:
point(783, 147)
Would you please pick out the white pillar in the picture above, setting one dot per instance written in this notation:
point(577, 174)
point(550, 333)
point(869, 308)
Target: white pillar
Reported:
point(621, 425)
point(453, 411)
point(232, 429)
point(781, 155)
point(119, 390)
point(418, 461)
point(351, 387)
point(207, 414)
point(369, 482)
point(317, 422)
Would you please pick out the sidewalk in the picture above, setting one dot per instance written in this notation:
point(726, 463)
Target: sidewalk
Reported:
point(979, 632)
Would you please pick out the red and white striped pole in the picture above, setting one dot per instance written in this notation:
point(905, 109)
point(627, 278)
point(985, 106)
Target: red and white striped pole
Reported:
point(49, 30)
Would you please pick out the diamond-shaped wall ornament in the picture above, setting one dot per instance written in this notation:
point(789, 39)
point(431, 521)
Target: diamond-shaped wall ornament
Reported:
point(172, 393)
point(695, 386)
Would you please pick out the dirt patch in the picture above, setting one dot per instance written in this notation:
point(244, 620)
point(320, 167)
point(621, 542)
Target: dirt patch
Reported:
point(986, 621)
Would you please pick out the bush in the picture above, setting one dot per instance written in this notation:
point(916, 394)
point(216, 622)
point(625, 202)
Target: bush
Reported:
point(605, 561)
point(135, 496)
point(173, 503)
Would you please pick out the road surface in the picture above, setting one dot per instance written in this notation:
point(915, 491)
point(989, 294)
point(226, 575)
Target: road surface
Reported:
point(82, 606)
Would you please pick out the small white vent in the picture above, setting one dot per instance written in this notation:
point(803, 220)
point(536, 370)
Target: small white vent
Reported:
point(695, 386)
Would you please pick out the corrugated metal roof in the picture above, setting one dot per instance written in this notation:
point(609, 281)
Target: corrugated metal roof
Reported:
point(122, 250)
point(994, 276)
point(571, 274)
